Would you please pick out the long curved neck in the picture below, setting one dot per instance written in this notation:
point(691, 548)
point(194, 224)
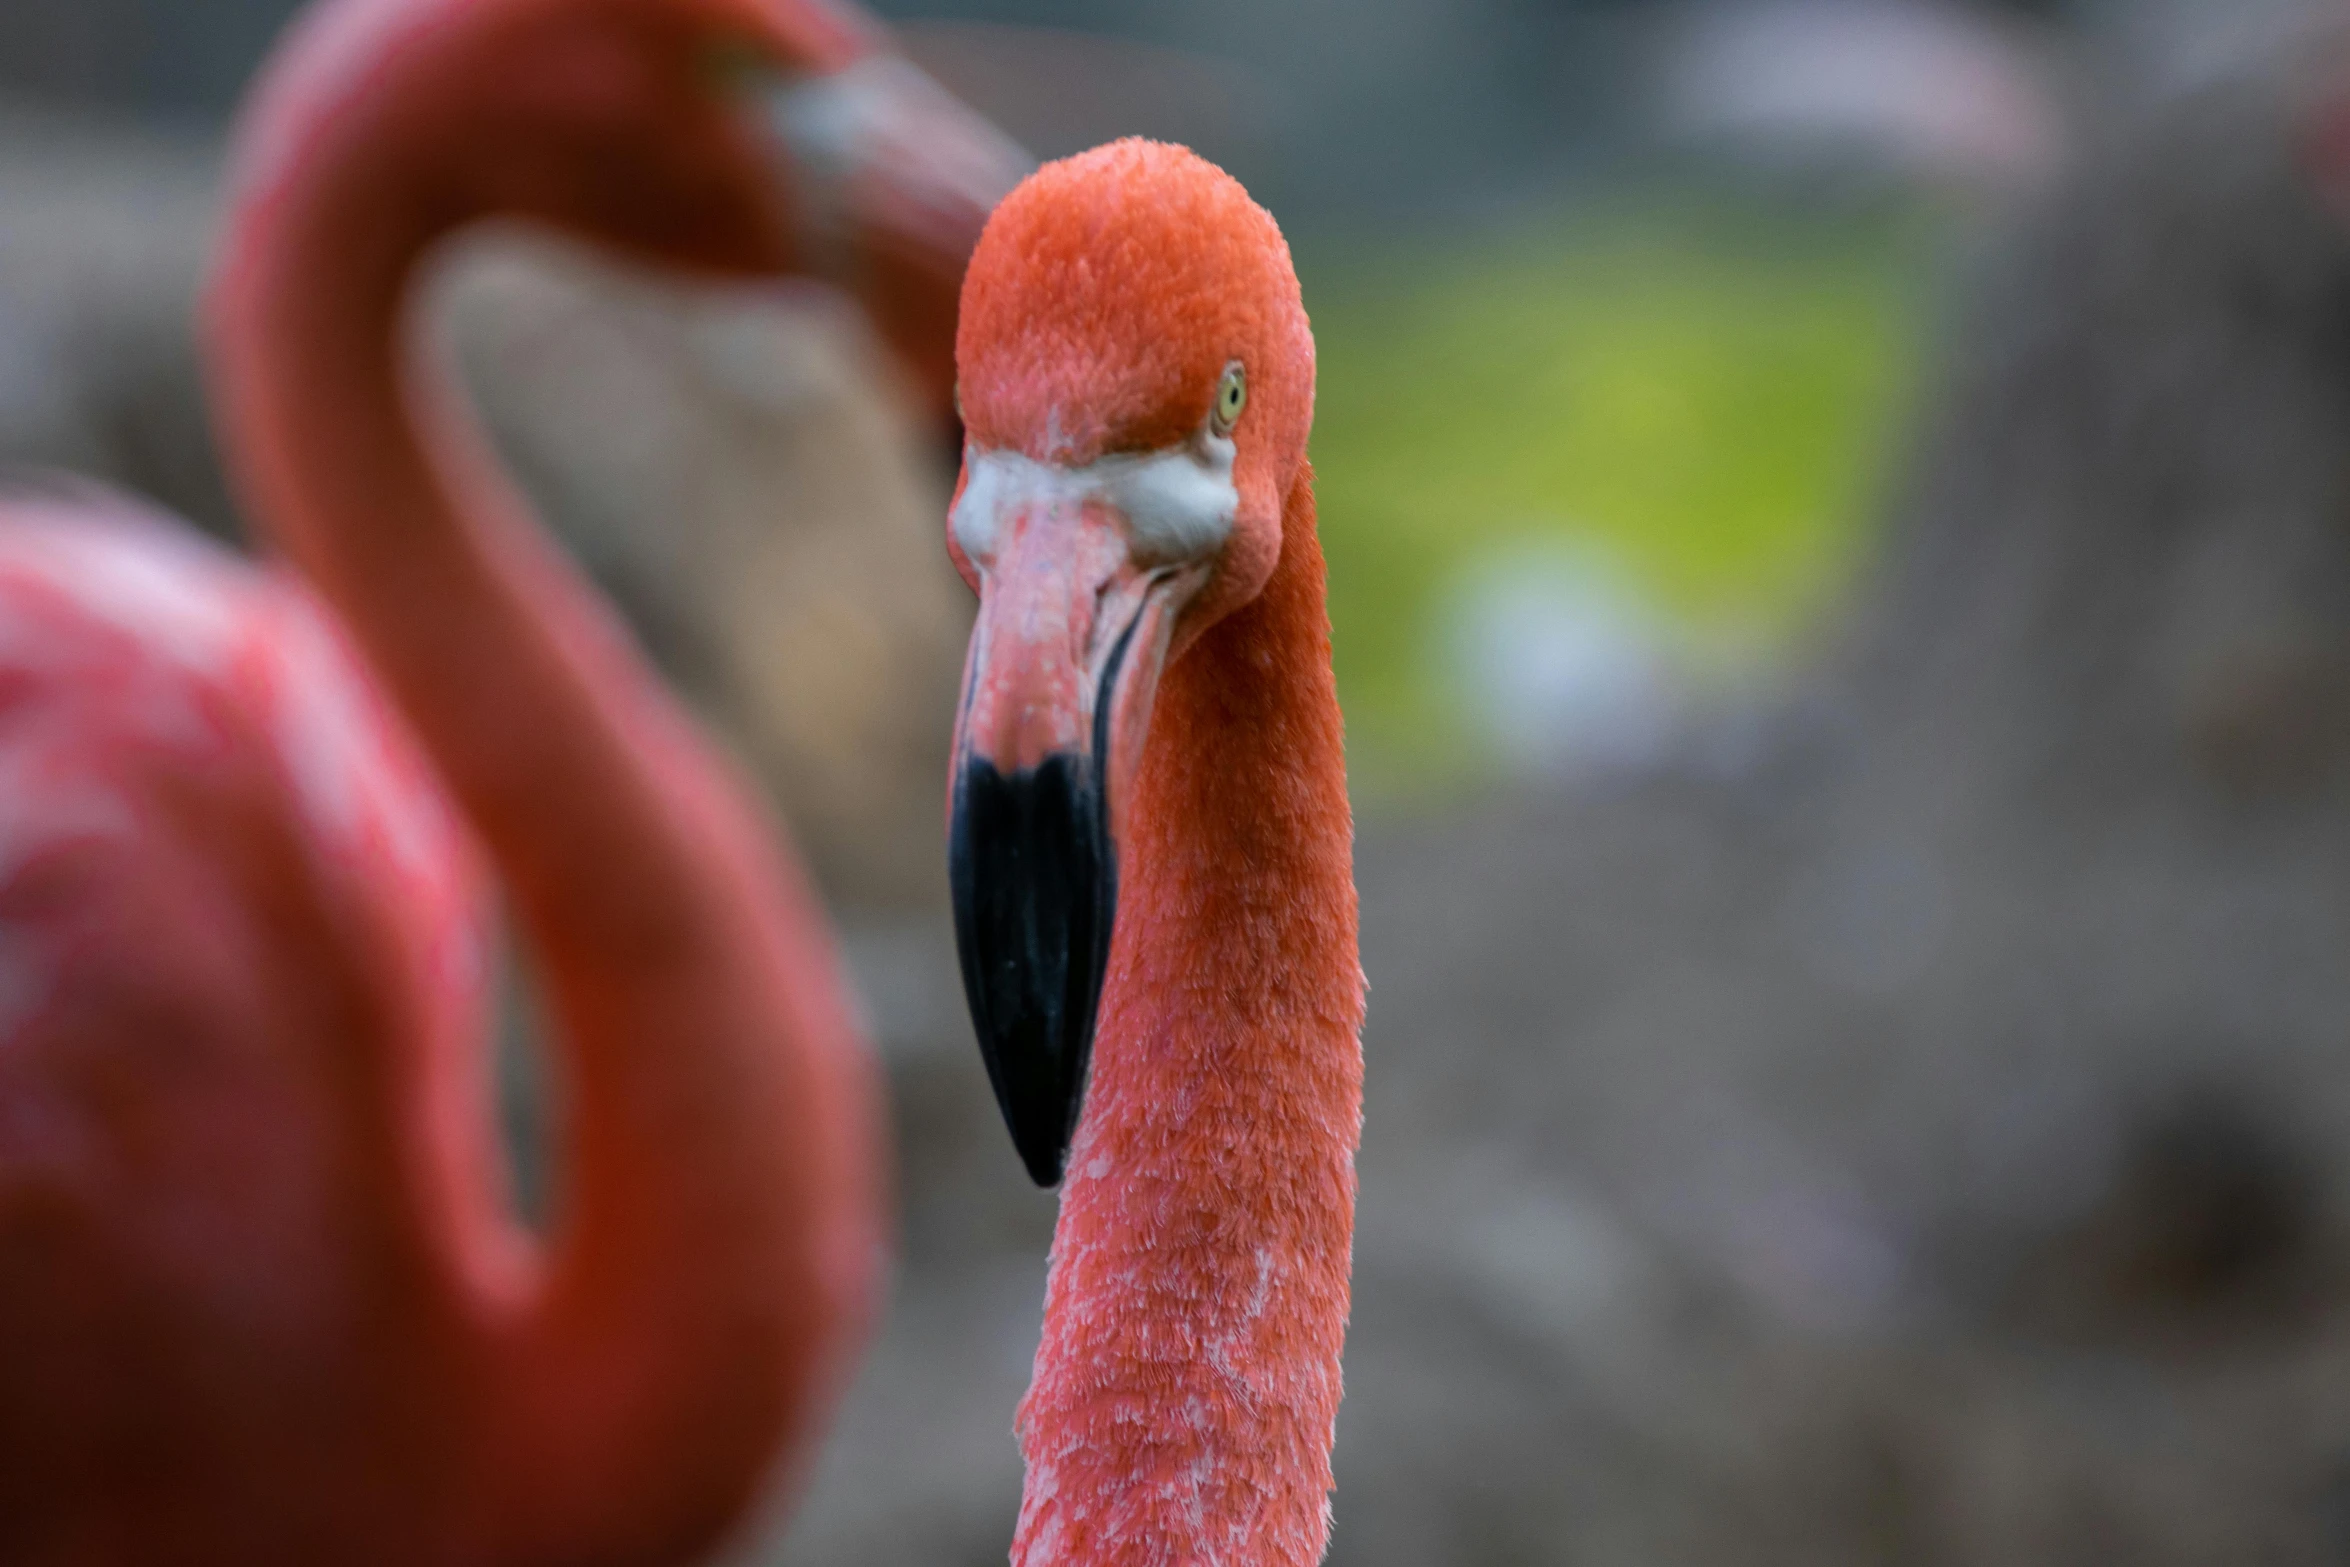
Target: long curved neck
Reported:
point(718, 1236)
point(1200, 1266)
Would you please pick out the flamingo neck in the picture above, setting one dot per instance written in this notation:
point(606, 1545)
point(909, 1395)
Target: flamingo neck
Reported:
point(1188, 1382)
point(717, 1241)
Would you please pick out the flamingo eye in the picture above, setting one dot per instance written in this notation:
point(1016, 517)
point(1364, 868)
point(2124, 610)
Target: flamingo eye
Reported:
point(1231, 398)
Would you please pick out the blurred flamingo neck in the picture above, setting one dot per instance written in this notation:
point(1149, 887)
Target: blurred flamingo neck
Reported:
point(365, 472)
point(1188, 1380)
point(688, 1315)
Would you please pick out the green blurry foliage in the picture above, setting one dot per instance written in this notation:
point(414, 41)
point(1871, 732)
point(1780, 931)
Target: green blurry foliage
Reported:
point(1706, 392)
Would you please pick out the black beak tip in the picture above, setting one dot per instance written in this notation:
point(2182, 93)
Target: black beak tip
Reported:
point(1035, 888)
point(1046, 1157)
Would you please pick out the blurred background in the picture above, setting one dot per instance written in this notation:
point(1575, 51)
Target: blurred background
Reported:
point(1839, 530)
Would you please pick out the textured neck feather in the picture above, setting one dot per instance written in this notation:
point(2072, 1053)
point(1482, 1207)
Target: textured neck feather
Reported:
point(1188, 1380)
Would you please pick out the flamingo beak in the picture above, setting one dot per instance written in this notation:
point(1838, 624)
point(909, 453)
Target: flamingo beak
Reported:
point(893, 178)
point(1073, 631)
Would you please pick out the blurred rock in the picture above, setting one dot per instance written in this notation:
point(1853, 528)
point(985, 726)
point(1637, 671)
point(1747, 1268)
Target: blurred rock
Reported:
point(2167, 47)
point(103, 234)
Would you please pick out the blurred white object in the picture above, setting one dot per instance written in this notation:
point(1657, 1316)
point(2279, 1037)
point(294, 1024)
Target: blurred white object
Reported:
point(1561, 664)
point(1901, 88)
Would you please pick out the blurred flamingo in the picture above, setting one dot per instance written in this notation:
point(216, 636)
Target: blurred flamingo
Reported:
point(261, 1297)
point(1137, 385)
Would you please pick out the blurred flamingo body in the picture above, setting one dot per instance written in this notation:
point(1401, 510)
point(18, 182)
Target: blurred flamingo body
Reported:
point(261, 1297)
point(1150, 714)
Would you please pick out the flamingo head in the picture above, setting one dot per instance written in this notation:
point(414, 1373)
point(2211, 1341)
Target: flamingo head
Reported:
point(1136, 384)
point(738, 137)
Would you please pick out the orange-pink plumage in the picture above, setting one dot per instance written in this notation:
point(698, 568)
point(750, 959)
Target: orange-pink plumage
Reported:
point(1118, 308)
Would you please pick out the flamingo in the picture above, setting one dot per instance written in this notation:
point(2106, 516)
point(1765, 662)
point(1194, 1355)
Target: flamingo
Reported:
point(262, 1297)
point(1149, 826)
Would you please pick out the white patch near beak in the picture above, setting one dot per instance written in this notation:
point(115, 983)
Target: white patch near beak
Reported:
point(1177, 504)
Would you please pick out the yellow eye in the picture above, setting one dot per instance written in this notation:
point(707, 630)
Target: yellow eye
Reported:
point(1231, 398)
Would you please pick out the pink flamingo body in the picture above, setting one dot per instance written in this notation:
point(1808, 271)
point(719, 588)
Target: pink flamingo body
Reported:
point(1150, 722)
point(232, 892)
point(261, 1297)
